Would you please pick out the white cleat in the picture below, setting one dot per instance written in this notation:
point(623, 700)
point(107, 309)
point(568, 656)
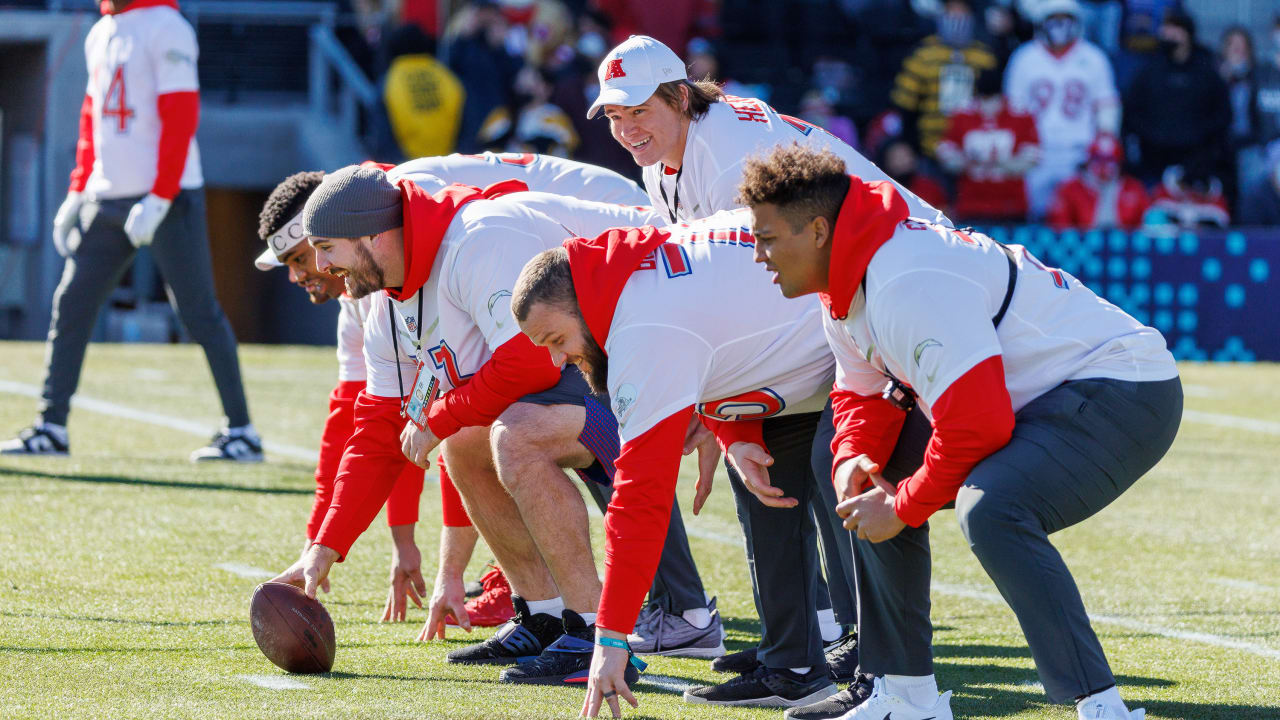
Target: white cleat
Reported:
point(1095, 710)
point(883, 705)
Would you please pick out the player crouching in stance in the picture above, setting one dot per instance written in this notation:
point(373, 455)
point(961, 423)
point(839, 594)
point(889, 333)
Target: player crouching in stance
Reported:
point(447, 263)
point(758, 373)
point(1047, 403)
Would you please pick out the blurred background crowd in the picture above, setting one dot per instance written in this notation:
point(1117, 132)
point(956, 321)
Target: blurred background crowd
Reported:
point(1074, 113)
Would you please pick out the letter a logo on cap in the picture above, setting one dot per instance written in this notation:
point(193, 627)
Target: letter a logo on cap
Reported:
point(615, 69)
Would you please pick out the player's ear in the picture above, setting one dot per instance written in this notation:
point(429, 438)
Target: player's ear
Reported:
point(684, 98)
point(821, 231)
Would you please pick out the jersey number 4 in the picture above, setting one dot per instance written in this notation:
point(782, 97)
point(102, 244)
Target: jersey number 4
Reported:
point(114, 104)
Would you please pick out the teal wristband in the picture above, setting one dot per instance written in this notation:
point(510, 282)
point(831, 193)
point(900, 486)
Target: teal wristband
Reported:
point(639, 664)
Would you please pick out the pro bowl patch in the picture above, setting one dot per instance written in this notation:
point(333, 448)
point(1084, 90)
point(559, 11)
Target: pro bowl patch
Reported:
point(624, 402)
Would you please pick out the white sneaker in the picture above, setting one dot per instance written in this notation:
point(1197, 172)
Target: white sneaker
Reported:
point(226, 446)
point(882, 705)
point(1094, 710)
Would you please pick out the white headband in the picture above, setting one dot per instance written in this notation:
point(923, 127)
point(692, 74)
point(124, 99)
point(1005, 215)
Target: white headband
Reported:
point(281, 242)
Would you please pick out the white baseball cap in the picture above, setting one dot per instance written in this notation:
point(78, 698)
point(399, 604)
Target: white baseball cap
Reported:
point(281, 242)
point(631, 72)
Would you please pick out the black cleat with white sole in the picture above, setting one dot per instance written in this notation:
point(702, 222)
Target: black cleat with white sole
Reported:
point(767, 687)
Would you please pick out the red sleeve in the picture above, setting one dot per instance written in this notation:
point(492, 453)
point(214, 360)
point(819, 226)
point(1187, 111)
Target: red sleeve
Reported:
point(517, 368)
point(370, 466)
point(1025, 132)
point(644, 488)
point(84, 147)
point(402, 504)
point(728, 432)
point(865, 425)
point(337, 430)
point(455, 515)
point(179, 115)
point(972, 419)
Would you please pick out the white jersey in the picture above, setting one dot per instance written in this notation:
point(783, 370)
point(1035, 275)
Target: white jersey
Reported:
point(733, 130)
point(933, 293)
point(1066, 95)
point(701, 304)
point(351, 321)
point(134, 58)
point(463, 312)
point(542, 173)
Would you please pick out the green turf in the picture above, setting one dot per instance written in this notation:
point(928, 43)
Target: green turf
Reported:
point(110, 604)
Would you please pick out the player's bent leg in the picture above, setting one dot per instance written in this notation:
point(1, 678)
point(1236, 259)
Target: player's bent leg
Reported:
point(496, 518)
point(1074, 450)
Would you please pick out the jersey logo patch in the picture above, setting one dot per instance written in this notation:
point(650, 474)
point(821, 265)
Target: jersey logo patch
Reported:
point(493, 300)
point(752, 405)
point(614, 69)
point(623, 402)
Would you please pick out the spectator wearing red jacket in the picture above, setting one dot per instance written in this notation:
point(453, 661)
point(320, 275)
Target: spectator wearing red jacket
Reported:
point(990, 148)
point(1100, 196)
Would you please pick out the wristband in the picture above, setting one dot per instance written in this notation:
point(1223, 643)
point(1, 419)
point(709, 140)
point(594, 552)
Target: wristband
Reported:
point(639, 664)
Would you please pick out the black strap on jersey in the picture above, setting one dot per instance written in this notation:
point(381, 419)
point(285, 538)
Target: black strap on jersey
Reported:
point(395, 346)
point(671, 209)
point(898, 393)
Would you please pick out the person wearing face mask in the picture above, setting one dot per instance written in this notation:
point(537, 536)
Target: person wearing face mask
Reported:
point(937, 78)
point(1066, 83)
point(990, 148)
point(1236, 66)
point(1178, 104)
point(1100, 196)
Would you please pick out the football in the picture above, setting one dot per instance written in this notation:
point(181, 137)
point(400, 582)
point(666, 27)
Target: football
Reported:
point(292, 630)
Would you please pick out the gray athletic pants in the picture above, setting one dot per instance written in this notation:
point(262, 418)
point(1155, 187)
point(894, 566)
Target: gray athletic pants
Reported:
point(1074, 450)
point(676, 585)
point(100, 254)
point(781, 545)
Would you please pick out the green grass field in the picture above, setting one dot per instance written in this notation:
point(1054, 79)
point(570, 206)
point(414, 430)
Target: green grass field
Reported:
point(112, 604)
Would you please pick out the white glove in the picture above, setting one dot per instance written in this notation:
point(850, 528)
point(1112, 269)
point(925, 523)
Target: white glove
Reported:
point(68, 216)
point(144, 218)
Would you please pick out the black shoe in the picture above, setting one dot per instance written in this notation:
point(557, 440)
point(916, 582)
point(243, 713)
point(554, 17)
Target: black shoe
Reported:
point(567, 661)
point(473, 589)
point(741, 662)
point(842, 658)
point(836, 705)
point(766, 687)
point(36, 440)
point(522, 638)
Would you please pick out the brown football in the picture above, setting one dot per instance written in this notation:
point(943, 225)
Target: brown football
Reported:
point(292, 630)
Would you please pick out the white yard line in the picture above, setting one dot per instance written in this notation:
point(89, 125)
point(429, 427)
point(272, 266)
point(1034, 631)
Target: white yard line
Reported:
point(246, 571)
point(275, 682)
point(176, 423)
point(1244, 585)
point(675, 685)
point(1223, 420)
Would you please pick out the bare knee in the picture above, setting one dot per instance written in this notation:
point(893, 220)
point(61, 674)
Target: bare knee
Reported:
point(467, 455)
point(529, 436)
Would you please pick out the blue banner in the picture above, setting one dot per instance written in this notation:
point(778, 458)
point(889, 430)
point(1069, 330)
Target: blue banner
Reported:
point(1211, 292)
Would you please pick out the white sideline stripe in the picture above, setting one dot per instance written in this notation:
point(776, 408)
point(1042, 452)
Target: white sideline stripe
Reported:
point(243, 570)
point(1268, 427)
point(180, 424)
point(275, 682)
point(973, 593)
point(677, 685)
point(1243, 584)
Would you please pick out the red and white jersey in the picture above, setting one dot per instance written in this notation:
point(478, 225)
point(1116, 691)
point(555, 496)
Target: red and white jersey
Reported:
point(1065, 94)
point(730, 132)
point(133, 58)
point(463, 312)
point(933, 293)
point(542, 173)
point(351, 322)
point(701, 304)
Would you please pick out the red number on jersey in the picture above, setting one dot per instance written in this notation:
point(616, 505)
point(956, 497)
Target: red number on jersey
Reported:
point(114, 104)
point(752, 405)
point(1074, 98)
point(443, 358)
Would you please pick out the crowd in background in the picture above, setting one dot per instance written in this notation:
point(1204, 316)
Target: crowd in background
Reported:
point(1073, 113)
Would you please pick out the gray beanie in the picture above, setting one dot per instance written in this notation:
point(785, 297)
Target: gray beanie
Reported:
point(353, 202)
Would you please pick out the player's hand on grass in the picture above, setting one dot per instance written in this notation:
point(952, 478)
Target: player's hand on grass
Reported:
point(701, 439)
point(417, 444)
point(871, 515)
point(448, 599)
point(406, 575)
point(293, 575)
point(752, 463)
point(607, 679)
point(67, 218)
